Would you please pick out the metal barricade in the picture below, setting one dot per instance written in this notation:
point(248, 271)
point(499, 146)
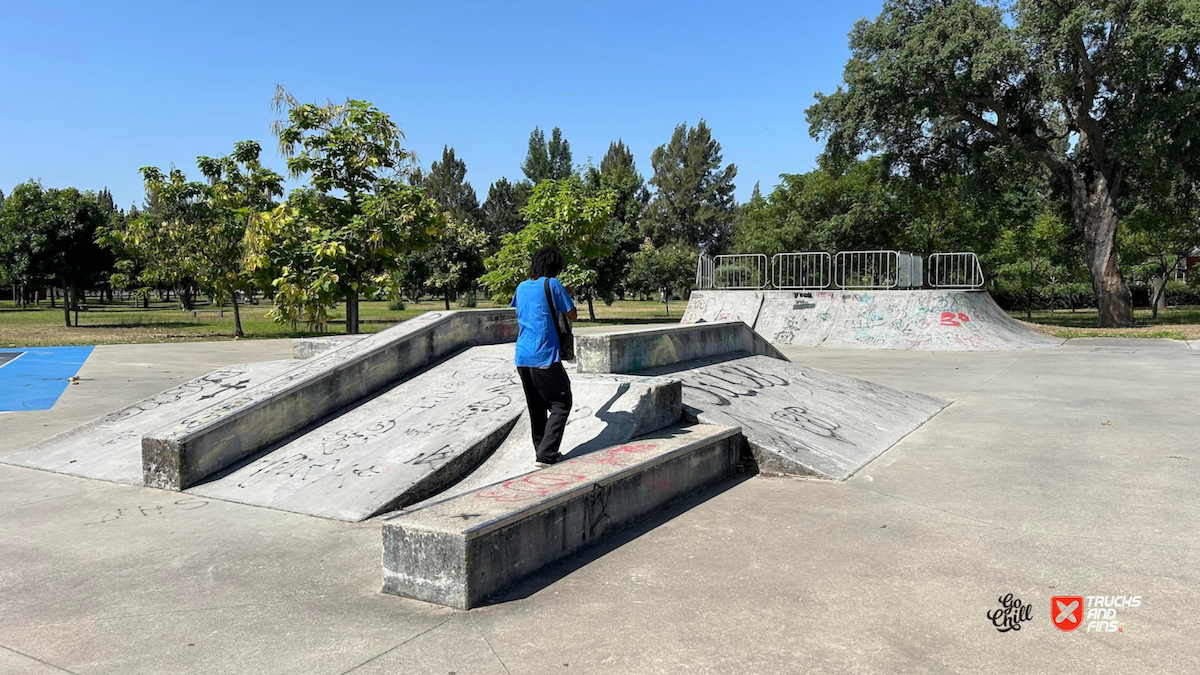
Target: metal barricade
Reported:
point(955, 270)
point(704, 272)
point(742, 271)
point(910, 272)
point(866, 269)
point(791, 271)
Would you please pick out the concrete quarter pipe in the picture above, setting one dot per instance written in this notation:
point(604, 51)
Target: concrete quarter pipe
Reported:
point(933, 320)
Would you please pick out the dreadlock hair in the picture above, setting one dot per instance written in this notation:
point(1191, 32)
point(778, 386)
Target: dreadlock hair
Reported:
point(547, 262)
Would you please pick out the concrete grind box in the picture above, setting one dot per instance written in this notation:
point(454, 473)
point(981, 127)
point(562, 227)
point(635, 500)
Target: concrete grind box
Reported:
point(461, 551)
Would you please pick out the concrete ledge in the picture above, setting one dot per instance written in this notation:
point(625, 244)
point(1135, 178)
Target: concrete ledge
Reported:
point(460, 551)
point(306, 348)
point(181, 454)
point(634, 351)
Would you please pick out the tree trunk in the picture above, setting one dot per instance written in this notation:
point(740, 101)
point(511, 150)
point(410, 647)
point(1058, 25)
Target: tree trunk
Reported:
point(66, 305)
point(52, 298)
point(446, 297)
point(1158, 294)
point(75, 302)
point(1093, 204)
point(351, 312)
point(591, 310)
point(237, 317)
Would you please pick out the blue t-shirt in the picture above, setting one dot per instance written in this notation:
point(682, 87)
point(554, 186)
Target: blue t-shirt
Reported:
point(537, 341)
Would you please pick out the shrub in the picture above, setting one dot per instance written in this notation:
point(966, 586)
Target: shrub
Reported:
point(395, 305)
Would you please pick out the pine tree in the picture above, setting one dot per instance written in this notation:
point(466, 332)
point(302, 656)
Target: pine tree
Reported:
point(694, 201)
point(537, 159)
point(559, 153)
point(446, 183)
point(547, 160)
point(502, 211)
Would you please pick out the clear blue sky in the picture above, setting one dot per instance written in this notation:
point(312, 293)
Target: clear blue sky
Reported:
point(92, 91)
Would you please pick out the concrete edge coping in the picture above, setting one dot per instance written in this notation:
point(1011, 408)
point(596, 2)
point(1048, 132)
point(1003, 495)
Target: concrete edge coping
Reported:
point(486, 527)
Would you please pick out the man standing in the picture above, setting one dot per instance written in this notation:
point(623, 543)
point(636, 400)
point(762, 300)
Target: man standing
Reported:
point(539, 363)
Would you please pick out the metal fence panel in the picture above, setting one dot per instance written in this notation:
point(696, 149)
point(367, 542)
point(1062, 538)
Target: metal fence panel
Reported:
point(955, 270)
point(812, 270)
point(910, 273)
point(867, 269)
point(742, 271)
point(704, 272)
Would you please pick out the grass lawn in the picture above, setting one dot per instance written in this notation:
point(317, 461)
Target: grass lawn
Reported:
point(1177, 323)
point(42, 326)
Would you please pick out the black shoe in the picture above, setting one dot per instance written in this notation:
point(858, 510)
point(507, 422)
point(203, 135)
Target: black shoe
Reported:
point(550, 460)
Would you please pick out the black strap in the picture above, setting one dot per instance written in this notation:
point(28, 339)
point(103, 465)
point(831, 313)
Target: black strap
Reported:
point(553, 310)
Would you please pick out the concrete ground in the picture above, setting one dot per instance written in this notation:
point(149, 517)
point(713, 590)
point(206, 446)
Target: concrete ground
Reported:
point(1069, 471)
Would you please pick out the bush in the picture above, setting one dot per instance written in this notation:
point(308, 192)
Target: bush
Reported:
point(396, 305)
point(467, 300)
point(1179, 293)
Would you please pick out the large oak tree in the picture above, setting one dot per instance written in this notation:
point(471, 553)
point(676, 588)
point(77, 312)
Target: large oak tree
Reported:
point(1088, 90)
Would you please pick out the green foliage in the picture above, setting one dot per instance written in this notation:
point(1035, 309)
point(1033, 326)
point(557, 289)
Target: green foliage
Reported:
point(446, 183)
point(502, 211)
point(1082, 90)
point(48, 236)
point(667, 272)
point(560, 213)
point(547, 161)
point(313, 256)
point(396, 305)
point(618, 173)
point(341, 246)
point(693, 202)
point(455, 260)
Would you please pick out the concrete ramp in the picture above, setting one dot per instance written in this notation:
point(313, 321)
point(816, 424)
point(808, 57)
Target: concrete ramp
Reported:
point(796, 419)
point(609, 410)
point(110, 448)
point(717, 306)
point(934, 320)
point(404, 445)
point(419, 438)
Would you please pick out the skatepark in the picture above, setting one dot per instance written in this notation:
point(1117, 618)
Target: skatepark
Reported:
point(732, 501)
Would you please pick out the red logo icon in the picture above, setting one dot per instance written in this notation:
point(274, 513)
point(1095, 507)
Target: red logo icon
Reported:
point(1066, 611)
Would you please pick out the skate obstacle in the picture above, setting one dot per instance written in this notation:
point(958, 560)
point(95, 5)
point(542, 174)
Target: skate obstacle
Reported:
point(923, 319)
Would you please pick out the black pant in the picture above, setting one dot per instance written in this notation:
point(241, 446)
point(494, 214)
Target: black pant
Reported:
point(548, 393)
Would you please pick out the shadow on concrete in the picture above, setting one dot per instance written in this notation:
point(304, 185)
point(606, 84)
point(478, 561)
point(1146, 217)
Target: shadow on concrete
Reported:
point(558, 570)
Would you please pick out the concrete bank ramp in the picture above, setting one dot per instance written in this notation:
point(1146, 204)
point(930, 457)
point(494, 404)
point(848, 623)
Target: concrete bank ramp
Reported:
point(797, 419)
point(609, 410)
point(934, 320)
point(110, 447)
point(401, 446)
point(717, 306)
point(420, 437)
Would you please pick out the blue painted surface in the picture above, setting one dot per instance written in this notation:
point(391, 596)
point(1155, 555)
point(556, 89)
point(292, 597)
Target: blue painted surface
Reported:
point(36, 378)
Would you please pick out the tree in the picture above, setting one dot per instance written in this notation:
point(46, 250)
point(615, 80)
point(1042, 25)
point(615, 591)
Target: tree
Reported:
point(560, 213)
point(49, 236)
point(1031, 253)
point(693, 201)
point(502, 210)
point(351, 148)
point(663, 271)
point(547, 161)
point(617, 172)
point(455, 260)
point(312, 255)
point(1160, 232)
point(1081, 89)
point(446, 183)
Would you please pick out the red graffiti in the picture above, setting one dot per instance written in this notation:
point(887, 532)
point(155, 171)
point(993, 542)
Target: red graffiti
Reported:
point(952, 319)
point(618, 456)
point(526, 488)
